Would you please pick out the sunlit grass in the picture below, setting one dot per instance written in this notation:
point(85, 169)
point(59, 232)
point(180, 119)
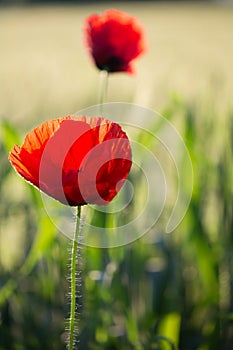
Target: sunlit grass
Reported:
point(45, 70)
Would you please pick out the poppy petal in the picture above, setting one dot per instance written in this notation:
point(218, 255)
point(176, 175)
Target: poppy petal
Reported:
point(76, 160)
point(114, 40)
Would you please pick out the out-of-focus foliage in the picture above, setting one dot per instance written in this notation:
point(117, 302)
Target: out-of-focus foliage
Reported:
point(166, 289)
point(85, 2)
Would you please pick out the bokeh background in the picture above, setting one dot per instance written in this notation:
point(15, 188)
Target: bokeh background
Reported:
point(164, 291)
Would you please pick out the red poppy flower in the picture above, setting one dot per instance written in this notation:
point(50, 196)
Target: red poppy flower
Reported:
point(76, 160)
point(114, 39)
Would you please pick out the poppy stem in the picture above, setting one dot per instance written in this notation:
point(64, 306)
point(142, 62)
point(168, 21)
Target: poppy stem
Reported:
point(103, 88)
point(73, 281)
point(102, 99)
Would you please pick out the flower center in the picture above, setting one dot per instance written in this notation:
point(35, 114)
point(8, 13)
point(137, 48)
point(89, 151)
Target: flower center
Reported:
point(111, 64)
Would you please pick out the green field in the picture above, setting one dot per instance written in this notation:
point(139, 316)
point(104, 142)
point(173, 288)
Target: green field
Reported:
point(163, 291)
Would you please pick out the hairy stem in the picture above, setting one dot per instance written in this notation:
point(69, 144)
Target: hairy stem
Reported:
point(73, 281)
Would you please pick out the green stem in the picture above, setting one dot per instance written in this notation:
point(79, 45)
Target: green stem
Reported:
point(102, 99)
point(103, 88)
point(73, 281)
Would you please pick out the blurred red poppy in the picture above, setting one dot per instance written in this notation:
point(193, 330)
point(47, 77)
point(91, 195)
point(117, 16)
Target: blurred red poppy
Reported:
point(76, 160)
point(114, 39)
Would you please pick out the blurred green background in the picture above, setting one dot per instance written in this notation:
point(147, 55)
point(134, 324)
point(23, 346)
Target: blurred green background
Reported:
point(164, 290)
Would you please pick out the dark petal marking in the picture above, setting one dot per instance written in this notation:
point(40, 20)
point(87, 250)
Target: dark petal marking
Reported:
point(112, 64)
